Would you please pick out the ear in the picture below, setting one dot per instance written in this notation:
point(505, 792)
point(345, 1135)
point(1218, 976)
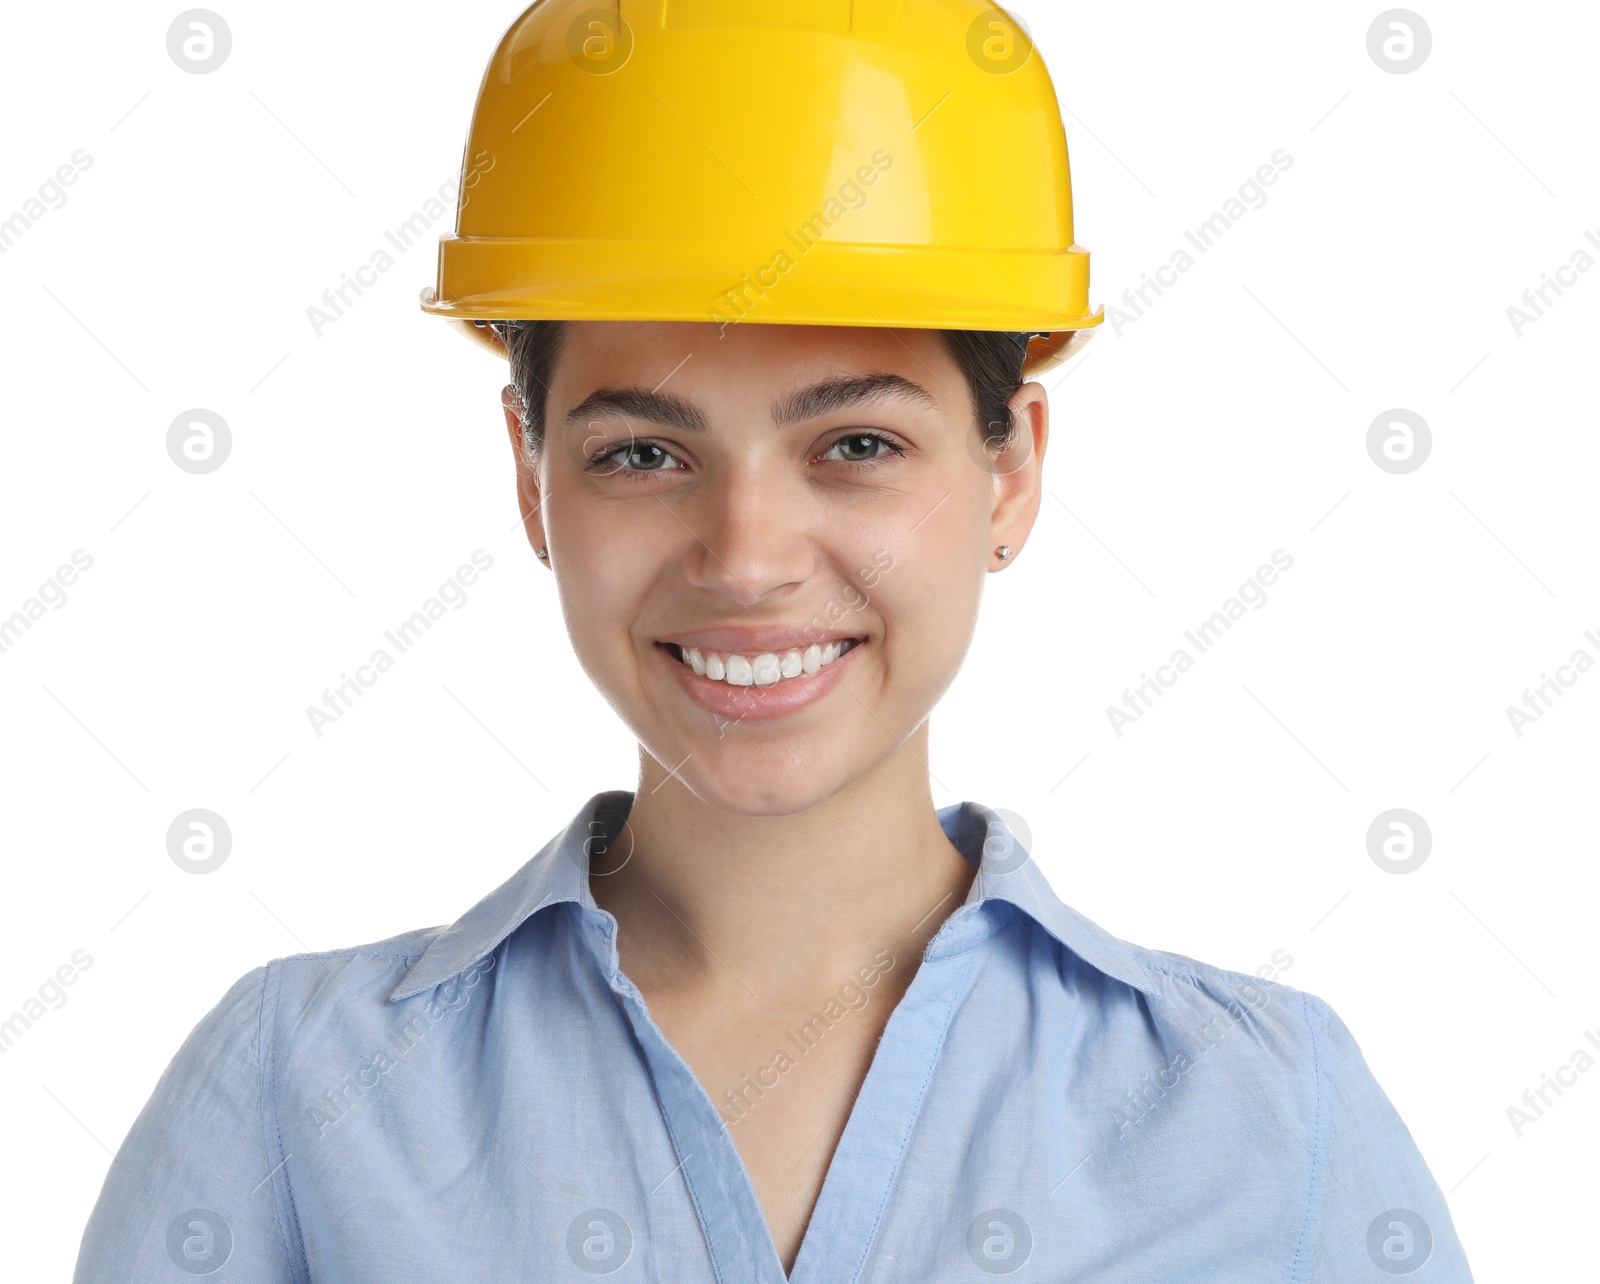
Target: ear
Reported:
point(529, 498)
point(1019, 472)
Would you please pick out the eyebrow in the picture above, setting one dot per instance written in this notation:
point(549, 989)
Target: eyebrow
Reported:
point(837, 393)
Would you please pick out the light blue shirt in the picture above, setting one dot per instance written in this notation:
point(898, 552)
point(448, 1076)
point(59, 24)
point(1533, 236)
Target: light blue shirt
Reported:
point(491, 1102)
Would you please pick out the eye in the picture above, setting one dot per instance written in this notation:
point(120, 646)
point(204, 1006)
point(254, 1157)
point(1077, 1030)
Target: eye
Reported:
point(637, 458)
point(860, 449)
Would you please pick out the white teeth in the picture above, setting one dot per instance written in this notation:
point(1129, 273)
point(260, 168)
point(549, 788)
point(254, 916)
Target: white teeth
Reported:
point(764, 670)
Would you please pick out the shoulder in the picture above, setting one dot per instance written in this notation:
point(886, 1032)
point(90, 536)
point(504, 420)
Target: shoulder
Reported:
point(1263, 1047)
point(393, 952)
point(1206, 1055)
point(1260, 1077)
point(348, 979)
point(238, 1029)
point(291, 1028)
point(1296, 1070)
point(1280, 1026)
point(297, 987)
point(209, 1136)
point(302, 1013)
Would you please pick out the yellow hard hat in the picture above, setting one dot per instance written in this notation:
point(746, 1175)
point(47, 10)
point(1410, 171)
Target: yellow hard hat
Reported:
point(802, 162)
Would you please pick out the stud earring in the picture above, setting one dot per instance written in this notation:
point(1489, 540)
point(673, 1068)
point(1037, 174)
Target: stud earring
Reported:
point(1003, 552)
point(543, 554)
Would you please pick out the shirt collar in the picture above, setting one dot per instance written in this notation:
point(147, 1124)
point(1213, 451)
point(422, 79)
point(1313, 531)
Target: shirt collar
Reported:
point(559, 872)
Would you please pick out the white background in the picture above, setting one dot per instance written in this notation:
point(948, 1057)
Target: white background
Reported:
point(1228, 421)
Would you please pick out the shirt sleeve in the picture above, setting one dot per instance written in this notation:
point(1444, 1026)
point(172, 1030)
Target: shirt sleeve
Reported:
point(192, 1188)
point(1381, 1211)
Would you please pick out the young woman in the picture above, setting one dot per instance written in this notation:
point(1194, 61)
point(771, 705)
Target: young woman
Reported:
point(771, 1015)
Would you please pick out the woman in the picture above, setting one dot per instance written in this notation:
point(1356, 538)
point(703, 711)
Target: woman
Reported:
point(770, 1015)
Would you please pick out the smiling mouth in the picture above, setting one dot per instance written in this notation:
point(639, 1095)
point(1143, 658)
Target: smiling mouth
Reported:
point(770, 668)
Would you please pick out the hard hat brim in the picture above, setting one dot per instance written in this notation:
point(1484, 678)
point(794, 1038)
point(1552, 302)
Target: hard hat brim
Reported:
point(1046, 351)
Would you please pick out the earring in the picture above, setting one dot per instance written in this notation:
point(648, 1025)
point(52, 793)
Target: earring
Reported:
point(1003, 552)
point(542, 554)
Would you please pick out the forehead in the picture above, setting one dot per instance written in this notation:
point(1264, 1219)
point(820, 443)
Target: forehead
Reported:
point(747, 367)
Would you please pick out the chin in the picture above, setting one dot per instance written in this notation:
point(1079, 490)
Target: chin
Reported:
point(751, 780)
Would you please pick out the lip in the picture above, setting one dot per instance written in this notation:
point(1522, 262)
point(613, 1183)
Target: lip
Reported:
point(753, 703)
point(751, 642)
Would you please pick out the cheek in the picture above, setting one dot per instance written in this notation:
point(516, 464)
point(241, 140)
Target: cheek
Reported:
point(931, 595)
point(603, 580)
point(589, 631)
point(928, 612)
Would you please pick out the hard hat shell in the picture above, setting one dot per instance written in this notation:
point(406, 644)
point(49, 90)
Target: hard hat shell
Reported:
point(802, 162)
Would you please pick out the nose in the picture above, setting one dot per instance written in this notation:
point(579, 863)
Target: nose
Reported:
point(750, 532)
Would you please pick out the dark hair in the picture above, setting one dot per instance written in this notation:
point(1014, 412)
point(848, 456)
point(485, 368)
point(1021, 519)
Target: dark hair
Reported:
point(991, 361)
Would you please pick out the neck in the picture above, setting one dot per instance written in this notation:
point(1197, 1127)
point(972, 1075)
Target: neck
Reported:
point(772, 906)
